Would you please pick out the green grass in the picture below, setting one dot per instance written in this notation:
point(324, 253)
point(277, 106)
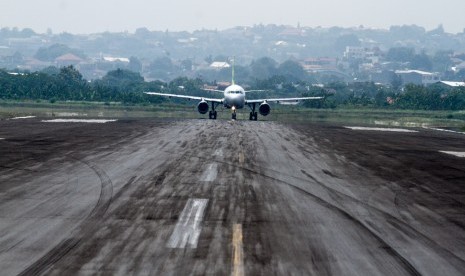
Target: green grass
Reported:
point(368, 116)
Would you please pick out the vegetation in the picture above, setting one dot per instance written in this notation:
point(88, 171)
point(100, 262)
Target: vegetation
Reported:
point(69, 85)
point(127, 87)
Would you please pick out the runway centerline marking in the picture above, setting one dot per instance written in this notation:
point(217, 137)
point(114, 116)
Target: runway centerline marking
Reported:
point(211, 173)
point(381, 129)
point(455, 153)
point(187, 231)
point(238, 251)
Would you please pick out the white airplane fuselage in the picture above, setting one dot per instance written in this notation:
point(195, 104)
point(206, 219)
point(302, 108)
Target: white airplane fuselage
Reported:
point(234, 97)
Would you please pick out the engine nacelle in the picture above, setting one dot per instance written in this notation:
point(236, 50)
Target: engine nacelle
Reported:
point(202, 107)
point(264, 109)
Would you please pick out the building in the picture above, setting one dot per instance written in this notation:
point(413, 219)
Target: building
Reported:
point(418, 77)
point(67, 59)
point(219, 65)
point(116, 59)
point(451, 84)
point(319, 64)
point(354, 53)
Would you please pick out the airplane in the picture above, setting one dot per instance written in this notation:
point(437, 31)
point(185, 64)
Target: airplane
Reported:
point(233, 98)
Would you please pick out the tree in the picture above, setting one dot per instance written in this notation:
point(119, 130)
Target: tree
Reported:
point(51, 70)
point(142, 32)
point(422, 62)
point(122, 80)
point(346, 40)
point(162, 68)
point(27, 32)
point(292, 70)
point(400, 54)
point(407, 31)
point(135, 64)
point(419, 97)
point(263, 68)
point(442, 60)
point(396, 81)
point(118, 76)
point(186, 65)
point(56, 50)
point(71, 75)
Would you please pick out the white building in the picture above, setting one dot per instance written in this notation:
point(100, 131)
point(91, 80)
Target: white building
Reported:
point(219, 65)
point(452, 83)
point(353, 53)
point(418, 77)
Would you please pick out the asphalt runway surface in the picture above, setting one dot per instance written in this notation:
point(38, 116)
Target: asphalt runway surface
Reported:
point(194, 197)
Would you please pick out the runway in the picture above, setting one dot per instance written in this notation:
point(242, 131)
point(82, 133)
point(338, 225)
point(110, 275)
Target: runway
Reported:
point(195, 197)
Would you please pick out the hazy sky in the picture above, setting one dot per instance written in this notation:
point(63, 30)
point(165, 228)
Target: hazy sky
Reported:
point(91, 16)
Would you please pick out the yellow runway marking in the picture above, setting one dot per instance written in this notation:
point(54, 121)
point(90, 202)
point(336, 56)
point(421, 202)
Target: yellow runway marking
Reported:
point(238, 251)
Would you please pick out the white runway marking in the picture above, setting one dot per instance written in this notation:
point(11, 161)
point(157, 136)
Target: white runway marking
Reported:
point(24, 117)
point(445, 130)
point(382, 129)
point(187, 231)
point(455, 153)
point(211, 173)
point(94, 121)
point(2, 138)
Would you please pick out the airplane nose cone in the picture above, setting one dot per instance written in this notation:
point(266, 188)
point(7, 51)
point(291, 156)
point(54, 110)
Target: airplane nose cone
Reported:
point(235, 101)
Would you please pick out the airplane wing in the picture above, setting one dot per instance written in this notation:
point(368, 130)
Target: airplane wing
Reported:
point(213, 90)
point(283, 100)
point(185, 97)
point(247, 91)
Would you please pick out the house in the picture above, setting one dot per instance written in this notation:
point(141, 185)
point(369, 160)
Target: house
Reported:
point(67, 59)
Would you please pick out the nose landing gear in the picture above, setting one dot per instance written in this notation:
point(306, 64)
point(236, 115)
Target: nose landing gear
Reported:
point(233, 112)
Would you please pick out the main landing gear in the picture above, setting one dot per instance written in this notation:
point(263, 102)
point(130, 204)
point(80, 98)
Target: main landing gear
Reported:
point(212, 113)
point(253, 114)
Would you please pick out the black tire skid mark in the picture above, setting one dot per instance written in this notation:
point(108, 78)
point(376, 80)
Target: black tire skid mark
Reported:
point(43, 264)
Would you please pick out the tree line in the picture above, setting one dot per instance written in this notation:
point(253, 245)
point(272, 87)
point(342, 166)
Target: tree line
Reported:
point(67, 84)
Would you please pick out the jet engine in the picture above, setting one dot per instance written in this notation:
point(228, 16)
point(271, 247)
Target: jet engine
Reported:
point(202, 107)
point(264, 109)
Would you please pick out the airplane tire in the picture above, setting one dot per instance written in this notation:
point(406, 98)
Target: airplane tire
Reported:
point(234, 116)
point(214, 115)
point(253, 116)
